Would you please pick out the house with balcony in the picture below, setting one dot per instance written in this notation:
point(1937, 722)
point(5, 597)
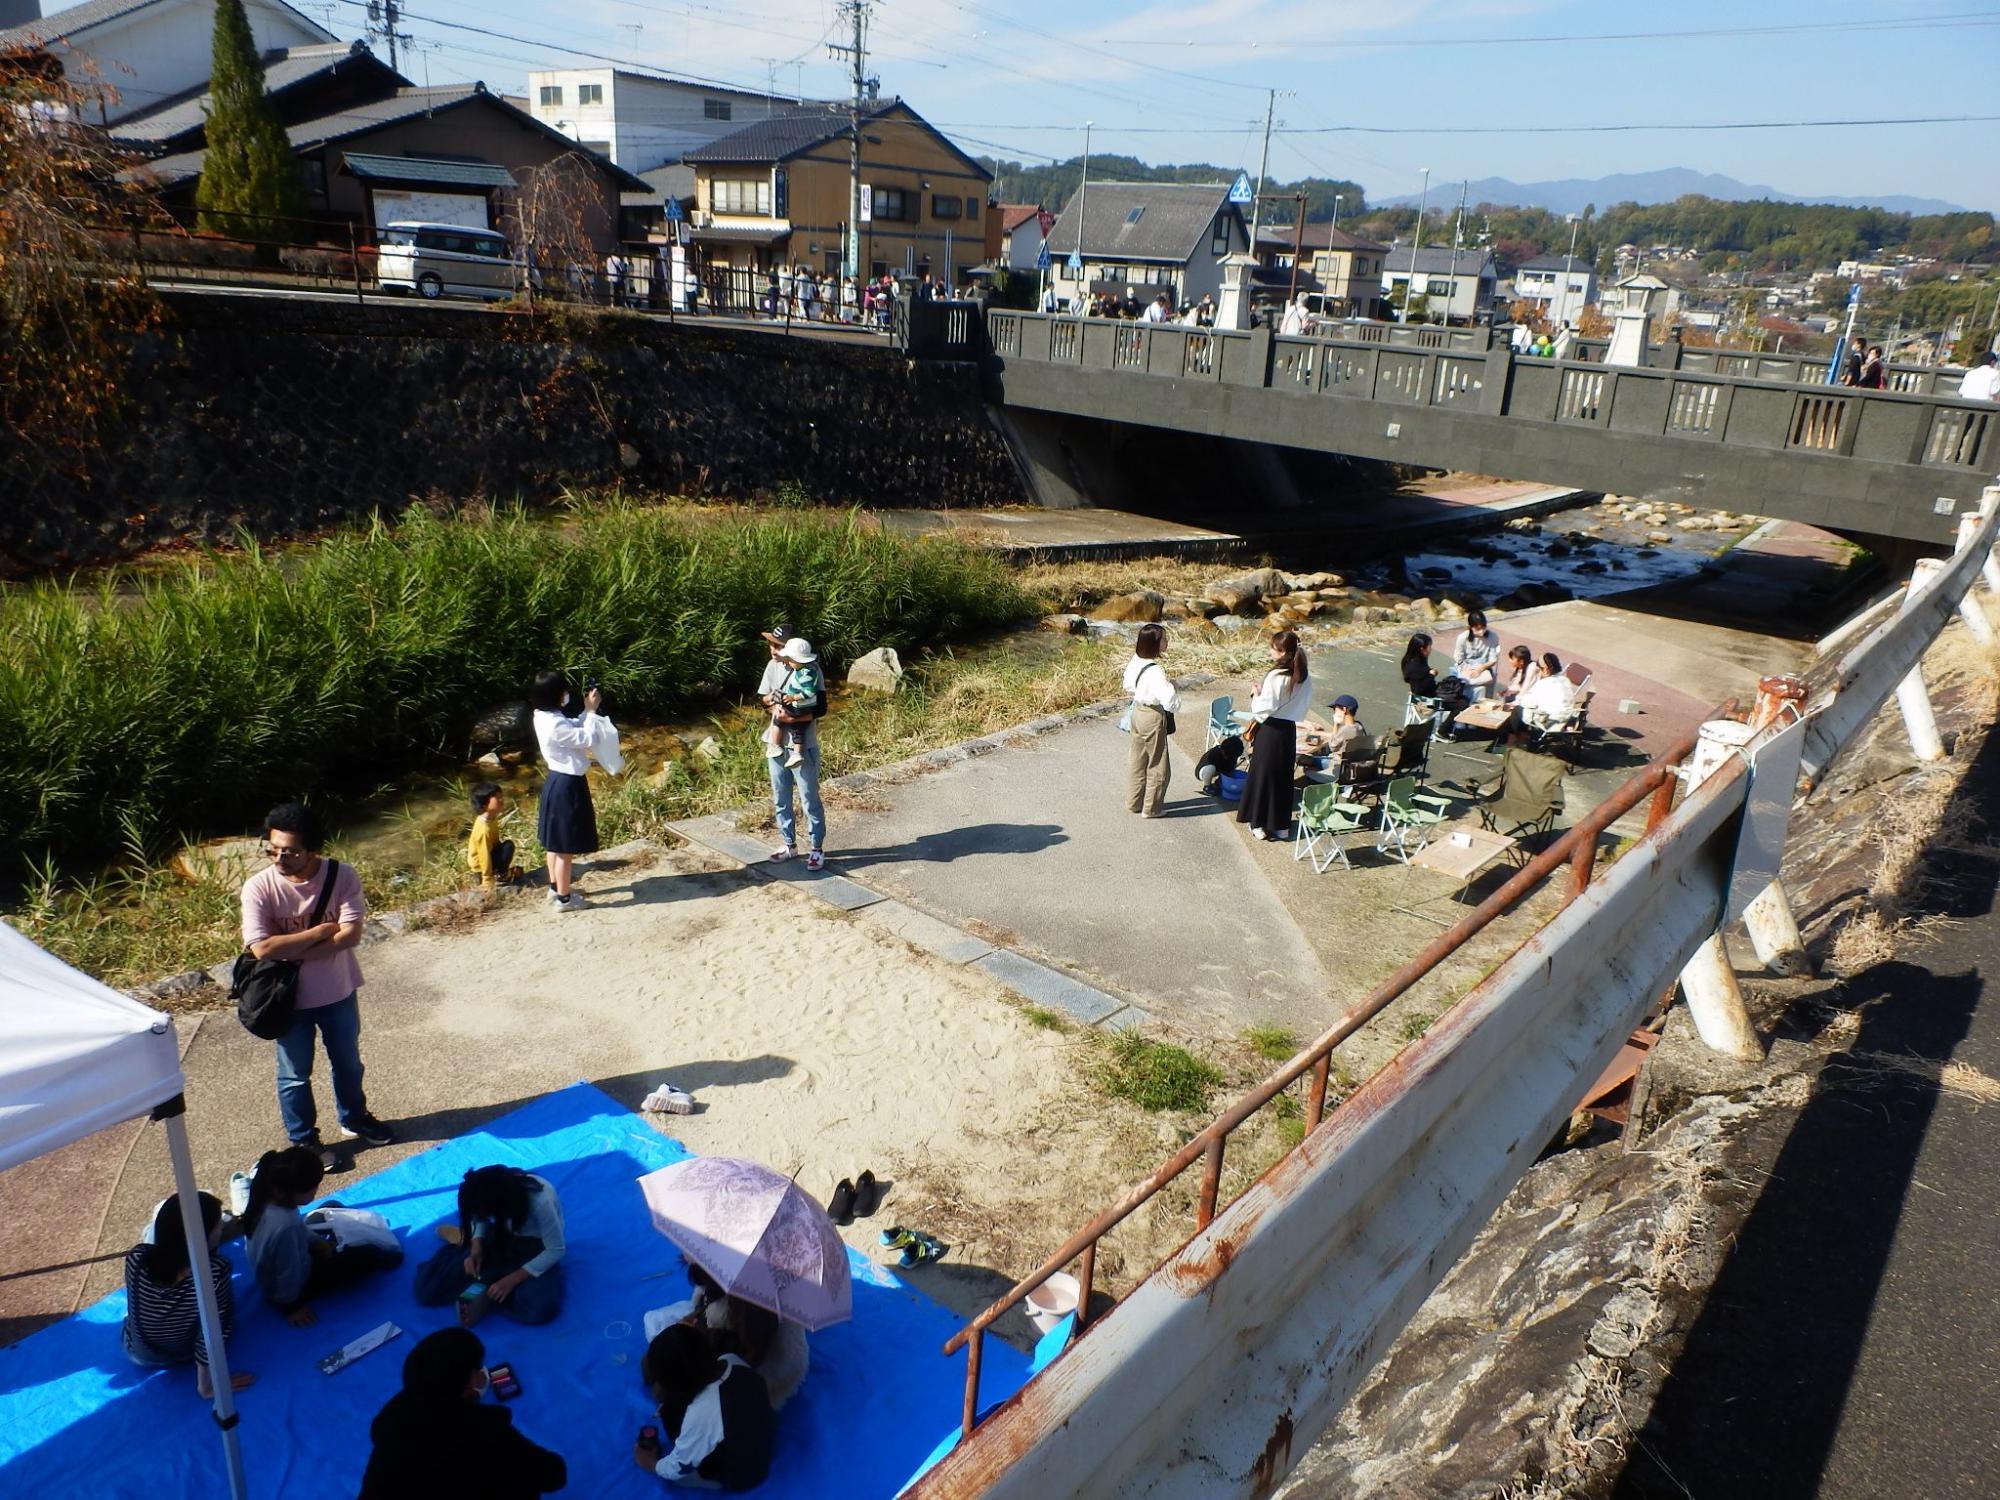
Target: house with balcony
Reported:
point(1441, 283)
point(777, 193)
point(1148, 237)
point(1562, 286)
point(1345, 269)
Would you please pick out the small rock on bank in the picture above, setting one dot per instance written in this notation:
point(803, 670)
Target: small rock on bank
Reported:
point(881, 670)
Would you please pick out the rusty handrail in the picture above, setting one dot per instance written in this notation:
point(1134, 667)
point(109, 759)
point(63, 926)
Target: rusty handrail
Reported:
point(1577, 847)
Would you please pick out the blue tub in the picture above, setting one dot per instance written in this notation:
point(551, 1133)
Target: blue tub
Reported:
point(1232, 785)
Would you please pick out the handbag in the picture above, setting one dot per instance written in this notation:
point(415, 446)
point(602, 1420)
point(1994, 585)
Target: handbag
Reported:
point(266, 990)
point(1125, 719)
point(348, 1227)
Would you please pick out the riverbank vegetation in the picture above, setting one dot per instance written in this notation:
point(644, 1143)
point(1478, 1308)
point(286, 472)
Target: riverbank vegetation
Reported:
point(187, 698)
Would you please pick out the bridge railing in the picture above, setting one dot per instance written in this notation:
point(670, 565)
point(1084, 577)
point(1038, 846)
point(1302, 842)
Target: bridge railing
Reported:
point(1232, 1354)
point(1743, 408)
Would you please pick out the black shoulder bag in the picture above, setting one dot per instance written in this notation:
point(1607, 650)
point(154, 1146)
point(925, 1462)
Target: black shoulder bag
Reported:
point(266, 990)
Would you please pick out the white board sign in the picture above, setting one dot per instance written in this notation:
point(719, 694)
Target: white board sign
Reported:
point(401, 206)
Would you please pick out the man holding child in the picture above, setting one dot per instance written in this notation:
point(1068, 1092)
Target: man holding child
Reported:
point(798, 765)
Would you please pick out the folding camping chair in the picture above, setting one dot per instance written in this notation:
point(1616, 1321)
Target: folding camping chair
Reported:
point(1565, 736)
point(1325, 823)
point(1529, 798)
point(1409, 814)
point(1220, 725)
point(1407, 751)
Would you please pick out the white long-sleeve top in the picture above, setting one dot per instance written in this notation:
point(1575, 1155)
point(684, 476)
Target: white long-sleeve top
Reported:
point(566, 743)
point(1276, 698)
point(1151, 689)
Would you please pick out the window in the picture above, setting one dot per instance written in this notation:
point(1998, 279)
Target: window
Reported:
point(972, 208)
point(590, 93)
point(715, 109)
point(552, 95)
point(1136, 214)
point(877, 269)
point(744, 196)
point(1440, 286)
point(944, 206)
point(1218, 243)
point(895, 205)
point(314, 172)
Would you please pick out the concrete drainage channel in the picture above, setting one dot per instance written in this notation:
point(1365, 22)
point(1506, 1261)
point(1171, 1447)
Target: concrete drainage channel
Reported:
point(1036, 982)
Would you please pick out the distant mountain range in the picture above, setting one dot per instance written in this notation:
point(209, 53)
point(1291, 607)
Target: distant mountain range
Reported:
point(1570, 194)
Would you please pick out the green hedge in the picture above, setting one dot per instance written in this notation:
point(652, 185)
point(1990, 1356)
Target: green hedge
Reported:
point(194, 698)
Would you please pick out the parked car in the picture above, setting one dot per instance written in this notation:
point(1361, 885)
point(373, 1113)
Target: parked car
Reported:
point(438, 260)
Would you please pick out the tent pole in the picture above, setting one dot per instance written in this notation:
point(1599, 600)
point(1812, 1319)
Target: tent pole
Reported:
point(172, 1114)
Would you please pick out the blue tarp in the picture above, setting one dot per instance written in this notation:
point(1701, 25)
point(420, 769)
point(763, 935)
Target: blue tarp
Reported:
point(76, 1418)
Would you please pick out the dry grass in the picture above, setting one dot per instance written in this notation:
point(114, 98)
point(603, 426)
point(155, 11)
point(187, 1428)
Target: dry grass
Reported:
point(1861, 1070)
point(1084, 585)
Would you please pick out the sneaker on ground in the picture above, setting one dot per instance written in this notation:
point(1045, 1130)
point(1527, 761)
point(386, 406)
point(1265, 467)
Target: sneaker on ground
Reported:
point(668, 1100)
point(782, 853)
point(368, 1129)
point(815, 860)
point(572, 902)
point(331, 1158)
point(1258, 834)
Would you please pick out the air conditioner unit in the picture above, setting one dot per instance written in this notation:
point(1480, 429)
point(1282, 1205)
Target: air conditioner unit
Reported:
point(700, 218)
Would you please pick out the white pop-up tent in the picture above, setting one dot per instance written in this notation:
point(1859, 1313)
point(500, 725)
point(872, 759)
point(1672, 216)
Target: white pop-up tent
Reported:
point(77, 1057)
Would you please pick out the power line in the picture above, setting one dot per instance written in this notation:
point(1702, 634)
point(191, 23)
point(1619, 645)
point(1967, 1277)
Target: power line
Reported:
point(1511, 129)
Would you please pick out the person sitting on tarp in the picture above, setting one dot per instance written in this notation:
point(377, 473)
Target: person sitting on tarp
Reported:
point(715, 1409)
point(435, 1437)
point(505, 1251)
point(162, 1324)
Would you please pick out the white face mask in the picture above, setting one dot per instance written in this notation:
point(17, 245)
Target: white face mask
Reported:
point(480, 1381)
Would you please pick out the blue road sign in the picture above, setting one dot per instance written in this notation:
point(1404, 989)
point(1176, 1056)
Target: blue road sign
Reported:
point(1242, 192)
point(673, 210)
point(1042, 257)
point(1075, 262)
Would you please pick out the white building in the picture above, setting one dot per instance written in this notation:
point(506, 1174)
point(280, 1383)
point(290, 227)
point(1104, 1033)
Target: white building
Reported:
point(148, 51)
point(1462, 282)
point(643, 122)
point(1564, 285)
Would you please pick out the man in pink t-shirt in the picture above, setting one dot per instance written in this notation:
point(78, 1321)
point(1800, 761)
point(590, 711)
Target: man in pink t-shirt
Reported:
point(278, 906)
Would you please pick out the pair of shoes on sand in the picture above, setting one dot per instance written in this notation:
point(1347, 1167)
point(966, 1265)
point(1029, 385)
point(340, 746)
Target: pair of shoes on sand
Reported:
point(852, 1200)
point(919, 1249)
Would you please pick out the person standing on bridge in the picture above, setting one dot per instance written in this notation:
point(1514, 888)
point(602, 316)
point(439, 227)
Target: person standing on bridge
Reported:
point(1282, 699)
point(1982, 381)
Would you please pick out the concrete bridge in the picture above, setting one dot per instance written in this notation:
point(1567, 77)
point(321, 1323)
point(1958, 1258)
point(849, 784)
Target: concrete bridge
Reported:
point(1891, 468)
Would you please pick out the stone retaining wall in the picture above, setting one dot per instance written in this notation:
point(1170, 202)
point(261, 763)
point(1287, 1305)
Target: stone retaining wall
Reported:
point(282, 416)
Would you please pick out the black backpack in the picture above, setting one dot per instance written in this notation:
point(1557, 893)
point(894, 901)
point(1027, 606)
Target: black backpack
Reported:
point(266, 990)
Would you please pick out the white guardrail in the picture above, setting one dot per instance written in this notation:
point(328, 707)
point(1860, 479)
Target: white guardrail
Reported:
point(1221, 1368)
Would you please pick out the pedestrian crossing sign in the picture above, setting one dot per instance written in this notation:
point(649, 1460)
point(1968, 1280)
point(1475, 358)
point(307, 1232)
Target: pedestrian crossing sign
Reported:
point(1241, 192)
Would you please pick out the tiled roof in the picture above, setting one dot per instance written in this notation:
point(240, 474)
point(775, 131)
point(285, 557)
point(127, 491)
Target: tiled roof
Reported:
point(93, 13)
point(782, 136)
point(1171, 226)
point(1321, 236)
point(376, 168)
point(1014, 215)
point(1555, 263)
point(283, 69)
point(1439, 262)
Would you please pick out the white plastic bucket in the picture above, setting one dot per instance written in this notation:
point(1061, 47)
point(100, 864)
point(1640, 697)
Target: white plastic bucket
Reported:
point(1052, 1301)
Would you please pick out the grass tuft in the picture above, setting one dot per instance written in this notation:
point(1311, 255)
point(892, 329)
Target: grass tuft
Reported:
point(1156, 1075)
point(1272, 1043)
point(1044, 1019)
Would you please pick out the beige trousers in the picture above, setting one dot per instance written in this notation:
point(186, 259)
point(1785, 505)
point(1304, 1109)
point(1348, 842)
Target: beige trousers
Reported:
point(1146, 767)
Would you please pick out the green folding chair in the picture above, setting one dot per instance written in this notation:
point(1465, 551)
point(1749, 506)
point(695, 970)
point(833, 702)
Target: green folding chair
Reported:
point(1408, 816)
point(1324, 824)
point(1529, 797)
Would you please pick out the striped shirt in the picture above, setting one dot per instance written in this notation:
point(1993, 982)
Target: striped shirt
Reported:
point(164, 1316)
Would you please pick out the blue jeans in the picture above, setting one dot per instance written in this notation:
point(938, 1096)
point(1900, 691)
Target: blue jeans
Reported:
point(536, 1300)
point(340, 1025)
point(806, 776)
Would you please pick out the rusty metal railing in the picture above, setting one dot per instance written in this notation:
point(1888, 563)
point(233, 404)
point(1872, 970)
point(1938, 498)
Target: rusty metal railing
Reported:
point(1576, 848)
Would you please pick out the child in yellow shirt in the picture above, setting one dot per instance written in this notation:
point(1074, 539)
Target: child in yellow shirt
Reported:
point(490, 857)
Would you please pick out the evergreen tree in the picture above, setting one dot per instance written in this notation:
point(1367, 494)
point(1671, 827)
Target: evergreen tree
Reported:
point(250, 184)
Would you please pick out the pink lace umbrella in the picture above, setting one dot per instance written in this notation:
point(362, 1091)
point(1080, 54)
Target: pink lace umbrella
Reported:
point(757, 1234)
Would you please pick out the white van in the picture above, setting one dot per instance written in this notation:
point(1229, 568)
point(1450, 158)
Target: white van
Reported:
point(435, 260)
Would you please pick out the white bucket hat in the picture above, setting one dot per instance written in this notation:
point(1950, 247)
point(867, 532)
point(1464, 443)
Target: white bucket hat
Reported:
point(798, 649)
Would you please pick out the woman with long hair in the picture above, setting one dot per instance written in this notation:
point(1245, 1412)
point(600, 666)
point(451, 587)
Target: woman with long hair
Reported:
point(566, 821)
point(504, 1253)
point(162, 1323)
point(1281, 700)
point(436, 1437)
point(1418, 674)
point(291, 1264)
point(714, 1411)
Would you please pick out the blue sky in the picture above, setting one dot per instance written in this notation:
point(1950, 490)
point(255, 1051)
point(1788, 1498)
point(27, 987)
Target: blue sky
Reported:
point(1177, 80)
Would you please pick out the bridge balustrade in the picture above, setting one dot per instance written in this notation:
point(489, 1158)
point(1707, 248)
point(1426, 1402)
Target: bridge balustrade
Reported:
point(1718, 396)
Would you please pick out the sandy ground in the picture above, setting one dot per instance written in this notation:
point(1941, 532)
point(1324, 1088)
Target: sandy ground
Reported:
point(813, 1043)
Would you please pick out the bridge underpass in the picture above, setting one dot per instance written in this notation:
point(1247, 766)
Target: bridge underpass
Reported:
point(1890, 469)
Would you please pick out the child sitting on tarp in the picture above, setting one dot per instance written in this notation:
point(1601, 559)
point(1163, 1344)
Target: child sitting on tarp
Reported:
point(292, 1263)
point(505, 1251)
point(162, 1323)
point(772, 1346)
point(714, 1409)
point(436, 1437)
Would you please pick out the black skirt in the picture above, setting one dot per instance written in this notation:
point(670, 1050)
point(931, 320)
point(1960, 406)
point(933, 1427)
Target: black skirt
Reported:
point(567, 822)
point(1267, 793)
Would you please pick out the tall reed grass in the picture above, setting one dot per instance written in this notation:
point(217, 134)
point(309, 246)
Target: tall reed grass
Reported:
point(190, 699)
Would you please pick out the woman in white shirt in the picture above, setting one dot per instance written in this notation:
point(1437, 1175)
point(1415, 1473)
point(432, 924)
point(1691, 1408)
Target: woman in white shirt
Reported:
point(1282, 699)
point(1548, 702)
point(1153, 701)
point(566, 822)
point(1522, 673)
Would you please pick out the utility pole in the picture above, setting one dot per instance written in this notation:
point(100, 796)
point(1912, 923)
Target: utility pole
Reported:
point(1423, 202)
point(1457, 234)
point(1263, 165)
point(1082, 267)
point(856, 52)
point(384, 17)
